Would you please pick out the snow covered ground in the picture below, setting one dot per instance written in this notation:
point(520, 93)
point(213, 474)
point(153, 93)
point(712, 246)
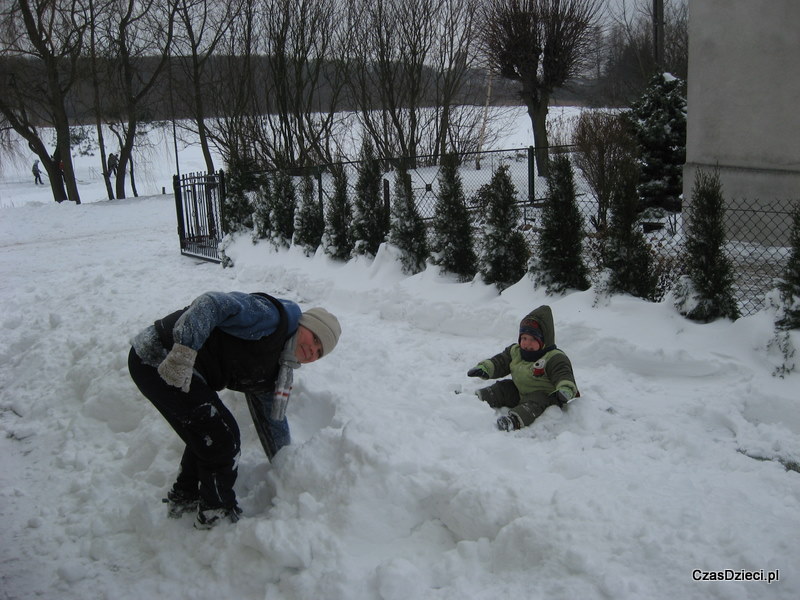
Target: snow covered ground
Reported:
point(397, 484)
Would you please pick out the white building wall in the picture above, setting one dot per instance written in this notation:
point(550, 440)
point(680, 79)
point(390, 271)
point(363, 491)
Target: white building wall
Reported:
point(743, 101)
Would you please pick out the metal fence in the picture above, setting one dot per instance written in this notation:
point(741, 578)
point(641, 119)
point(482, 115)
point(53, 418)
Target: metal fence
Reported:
point(198, 202)
point(756, 263)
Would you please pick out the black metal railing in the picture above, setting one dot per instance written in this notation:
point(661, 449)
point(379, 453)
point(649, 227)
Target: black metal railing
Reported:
point(198, 203)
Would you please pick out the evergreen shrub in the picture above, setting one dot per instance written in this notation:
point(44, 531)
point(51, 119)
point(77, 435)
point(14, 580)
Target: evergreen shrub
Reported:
point(407, 231)
point(705, 293)
point(559, 264)
point(504, 252)
point(452, 237)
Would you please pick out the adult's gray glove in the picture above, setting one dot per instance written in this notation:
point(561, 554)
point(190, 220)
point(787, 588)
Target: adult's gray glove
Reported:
point(176, 369)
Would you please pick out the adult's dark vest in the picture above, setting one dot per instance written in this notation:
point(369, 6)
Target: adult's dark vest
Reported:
point(226, 361)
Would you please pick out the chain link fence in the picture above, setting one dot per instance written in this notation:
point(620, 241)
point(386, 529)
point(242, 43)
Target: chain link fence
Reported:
point(758, 233)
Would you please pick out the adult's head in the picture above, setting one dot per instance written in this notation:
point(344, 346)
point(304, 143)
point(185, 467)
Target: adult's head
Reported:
point(317, 335)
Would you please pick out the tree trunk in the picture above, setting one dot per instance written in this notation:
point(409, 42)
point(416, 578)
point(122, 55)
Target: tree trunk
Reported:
point(38, 147)
point(200, 119)
point(133, 179)
point(97, 103)
point(125, 151)
point(63, 155)
point(203, 135)
point(444, 128)
point(101, 143)
point(537, 111)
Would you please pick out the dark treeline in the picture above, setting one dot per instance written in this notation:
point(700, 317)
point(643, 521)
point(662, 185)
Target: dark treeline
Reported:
point(167, 100)
point(279, 83)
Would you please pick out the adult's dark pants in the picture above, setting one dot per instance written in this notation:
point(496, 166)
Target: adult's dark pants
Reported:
point(206, 426)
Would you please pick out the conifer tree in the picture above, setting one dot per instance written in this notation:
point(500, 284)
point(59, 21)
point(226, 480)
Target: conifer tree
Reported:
point(407, 231)
point(309, 222)
point(627, 256)
point(659, 119)
point(504, 255)
point(785, 302)
point(453, 240)
point(337, 241)
point(705, 293)
point(559, 264)
point(283, 203)
point(237, 205)
point(371, 216)
point(262, 208)
point(789, 285)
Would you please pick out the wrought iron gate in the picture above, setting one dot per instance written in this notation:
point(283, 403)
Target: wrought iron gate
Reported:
point(198, 203)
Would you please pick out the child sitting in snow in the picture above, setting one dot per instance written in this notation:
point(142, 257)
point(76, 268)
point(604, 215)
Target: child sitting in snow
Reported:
point(541, 374)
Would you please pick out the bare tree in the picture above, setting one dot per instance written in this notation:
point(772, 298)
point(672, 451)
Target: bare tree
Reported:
point(676, 38)
point(139, 37)
point(202, 26)
point(390, 81)
point(606, 146)
point(304, 80)
point(455, 53)
point(9, 148)
point(99, 11)
point(41, 44)
point(630, 58)
point(541, 44)
point(233, 102)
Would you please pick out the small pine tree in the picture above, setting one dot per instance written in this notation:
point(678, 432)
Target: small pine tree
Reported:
point(309, 221)
point(504, 255)
point(705, 293)
point(453, 243)
point(283, 203)
point(338, 241)
point(371, 217)
point(237, 208)
point(407, 231)
point(262, 207)
point(626, 255)
point(789, 285)
point(559, 265)
point(659, 119)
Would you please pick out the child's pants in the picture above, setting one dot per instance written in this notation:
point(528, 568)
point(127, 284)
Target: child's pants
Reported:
point(206, 426)
point(505, 394)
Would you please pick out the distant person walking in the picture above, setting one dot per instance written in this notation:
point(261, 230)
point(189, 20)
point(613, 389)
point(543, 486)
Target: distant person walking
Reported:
point(37, 173)
point(113, 163)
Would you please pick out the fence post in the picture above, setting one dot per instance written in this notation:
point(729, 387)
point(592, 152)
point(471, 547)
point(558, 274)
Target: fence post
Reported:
point(386, 196)
point(531, 174)
point(319, 190)
point(176, 186)
point(221, 201)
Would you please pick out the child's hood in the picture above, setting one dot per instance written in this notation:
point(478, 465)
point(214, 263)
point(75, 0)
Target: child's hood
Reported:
point(544, 317)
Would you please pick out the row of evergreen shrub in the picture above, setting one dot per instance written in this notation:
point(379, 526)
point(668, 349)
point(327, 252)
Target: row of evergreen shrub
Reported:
point(484, 237)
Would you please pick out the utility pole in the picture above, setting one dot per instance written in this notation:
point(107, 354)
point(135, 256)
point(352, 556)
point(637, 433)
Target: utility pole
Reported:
point(658, 33)
point(172, 111)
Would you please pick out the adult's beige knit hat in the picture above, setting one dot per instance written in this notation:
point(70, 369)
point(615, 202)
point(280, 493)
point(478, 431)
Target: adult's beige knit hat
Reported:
point(324, 325)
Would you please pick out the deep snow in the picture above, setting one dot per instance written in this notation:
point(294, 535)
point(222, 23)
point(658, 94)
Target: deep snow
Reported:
point(396, 485)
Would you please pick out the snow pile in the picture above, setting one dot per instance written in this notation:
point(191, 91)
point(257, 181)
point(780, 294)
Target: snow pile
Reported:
point(397, 484)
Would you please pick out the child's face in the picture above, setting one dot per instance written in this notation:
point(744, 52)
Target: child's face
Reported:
point(528, 342)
